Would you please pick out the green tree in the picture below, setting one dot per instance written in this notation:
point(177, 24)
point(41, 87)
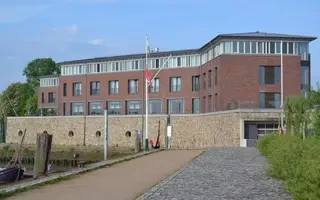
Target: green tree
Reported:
point(32, 104)
point(13, 99)
point(39, 67)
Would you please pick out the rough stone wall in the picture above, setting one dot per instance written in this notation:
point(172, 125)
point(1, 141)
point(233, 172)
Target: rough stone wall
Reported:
point(188, 131)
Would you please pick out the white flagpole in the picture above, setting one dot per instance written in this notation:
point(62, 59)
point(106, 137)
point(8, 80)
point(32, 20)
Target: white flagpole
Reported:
point(160, 68)
point(146, 104)
point(282, 109)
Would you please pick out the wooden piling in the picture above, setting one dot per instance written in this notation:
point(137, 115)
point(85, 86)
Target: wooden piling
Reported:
point(42, 154)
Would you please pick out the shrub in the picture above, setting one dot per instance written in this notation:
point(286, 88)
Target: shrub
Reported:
point(294, 161)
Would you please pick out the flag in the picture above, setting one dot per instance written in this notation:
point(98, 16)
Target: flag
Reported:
point(148, 76)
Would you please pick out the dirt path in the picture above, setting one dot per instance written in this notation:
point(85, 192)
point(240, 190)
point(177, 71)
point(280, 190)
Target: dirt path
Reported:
point(120, 182)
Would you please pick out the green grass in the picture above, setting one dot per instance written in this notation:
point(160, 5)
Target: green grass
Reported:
point(294, 161)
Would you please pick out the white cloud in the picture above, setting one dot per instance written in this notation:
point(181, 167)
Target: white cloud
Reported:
point(96, 42)
point(18, 13)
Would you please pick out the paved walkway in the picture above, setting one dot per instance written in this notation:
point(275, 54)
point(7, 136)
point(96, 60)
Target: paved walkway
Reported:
point(221, 174)
point(123, 181)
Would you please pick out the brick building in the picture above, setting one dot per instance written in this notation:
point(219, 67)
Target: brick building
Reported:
point(229, 72)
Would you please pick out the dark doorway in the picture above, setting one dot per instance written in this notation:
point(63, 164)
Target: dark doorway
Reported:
point(254, 130)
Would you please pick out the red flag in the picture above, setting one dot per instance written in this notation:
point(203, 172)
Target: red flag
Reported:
point(148, 77)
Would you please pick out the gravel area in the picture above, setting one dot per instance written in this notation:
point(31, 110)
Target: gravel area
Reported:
point(221, 173)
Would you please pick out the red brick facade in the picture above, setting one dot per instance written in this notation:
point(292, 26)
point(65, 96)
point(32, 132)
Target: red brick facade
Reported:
point(234, 78)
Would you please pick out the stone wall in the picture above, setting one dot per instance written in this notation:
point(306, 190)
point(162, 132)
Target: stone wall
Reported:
point(216, 129)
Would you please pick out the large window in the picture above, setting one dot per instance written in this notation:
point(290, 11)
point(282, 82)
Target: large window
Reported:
point(175, 84)
point(305, 78)
point(196, 105)
point(210, 78)
point(51, 97)
point(269, 100)
point(113, 87)
point(204, 80)
point(65, 90)
point(155, 106)
point(77, 108)
point(95, 108)
point(133, 107)
point(175, 106)
point(269, 75)
point(195, 83)
point(155, 86)
point(133, 86)
point(114, 107)
point(77, 89)
point(95, 88)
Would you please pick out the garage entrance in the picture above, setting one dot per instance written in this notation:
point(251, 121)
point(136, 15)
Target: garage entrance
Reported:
point(253, 130)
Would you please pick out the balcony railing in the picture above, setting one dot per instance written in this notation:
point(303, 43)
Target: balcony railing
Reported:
point(95, 92)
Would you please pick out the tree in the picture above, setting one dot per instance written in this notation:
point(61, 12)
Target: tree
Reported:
point(13, 99)
point(39, 67)
point(32, 104)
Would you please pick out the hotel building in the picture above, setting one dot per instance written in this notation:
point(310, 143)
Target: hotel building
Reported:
point(229, 72)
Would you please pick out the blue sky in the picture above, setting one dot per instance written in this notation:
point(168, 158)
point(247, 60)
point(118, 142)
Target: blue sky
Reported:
point(75, 29)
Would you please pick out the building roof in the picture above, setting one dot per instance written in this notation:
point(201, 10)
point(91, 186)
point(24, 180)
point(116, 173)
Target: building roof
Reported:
point(256, 35)
point(132, 56)
point(50, 76)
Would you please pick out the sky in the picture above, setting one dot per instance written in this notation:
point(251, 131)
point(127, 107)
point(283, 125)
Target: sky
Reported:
point(76, 29)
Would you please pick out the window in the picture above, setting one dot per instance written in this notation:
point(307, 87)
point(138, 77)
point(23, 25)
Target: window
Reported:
point(195, 83)
point(269, 75)
point(133, 86)
point(64, 109)
point(114, 107)
point(253, 47)
point(278, 47)
point(51, 97)
point(241, 47)
point(77, 108)
point(178, 61)
point(175, 84)
point(133, 107)
point(154, 106)
point(77, 89)
point(269, 100)
point(235, 47)
point(260, 47)
point(216, 76)
point(95, 88)
point(305, 78)
point(42, 97)
point(65, 88)
point(204, 103)
point(210, 103)
point(204, 80)
point(157, 63)
point(113, 87)
point(290, 48)
point(196, 105)
point(247, 47)
point(155, 86)
point(272, 47)
point(175, 106)
point(284, 47)
point(95, 108)
point(210, 78)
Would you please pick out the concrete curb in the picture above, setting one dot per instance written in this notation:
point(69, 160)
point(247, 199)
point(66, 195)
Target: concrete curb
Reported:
point(73, 172)
point(154, 189)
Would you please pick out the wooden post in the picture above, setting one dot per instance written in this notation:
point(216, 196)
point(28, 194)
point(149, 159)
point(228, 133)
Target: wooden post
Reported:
point(42, 154)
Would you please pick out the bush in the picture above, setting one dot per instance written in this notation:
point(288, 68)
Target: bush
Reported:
point(294, 161)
